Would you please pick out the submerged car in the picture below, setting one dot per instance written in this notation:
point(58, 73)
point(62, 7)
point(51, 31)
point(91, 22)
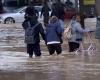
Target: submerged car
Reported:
point(18, 15)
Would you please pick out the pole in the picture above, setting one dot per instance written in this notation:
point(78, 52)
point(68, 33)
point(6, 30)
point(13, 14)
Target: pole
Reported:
point(81, 12)
point(76, 6)
point(1, 7)
point(98, 7)
point(98, 19)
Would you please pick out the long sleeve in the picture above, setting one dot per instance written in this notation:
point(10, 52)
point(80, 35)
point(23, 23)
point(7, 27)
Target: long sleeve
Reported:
point(59, 29)
point(42, 32)
point(42, 11)
point(80, 29)
point(25, 24)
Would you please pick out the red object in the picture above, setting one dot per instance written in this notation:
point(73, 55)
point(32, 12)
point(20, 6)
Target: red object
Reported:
point(69, 14)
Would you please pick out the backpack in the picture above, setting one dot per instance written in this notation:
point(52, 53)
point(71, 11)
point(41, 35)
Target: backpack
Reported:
point(29, 33)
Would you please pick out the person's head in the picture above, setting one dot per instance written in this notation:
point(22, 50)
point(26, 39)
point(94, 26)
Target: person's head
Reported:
point(53, 19)
point(29, 12)
point(76, 17)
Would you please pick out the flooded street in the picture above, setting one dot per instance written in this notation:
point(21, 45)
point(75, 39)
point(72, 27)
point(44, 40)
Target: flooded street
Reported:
point(15, 64)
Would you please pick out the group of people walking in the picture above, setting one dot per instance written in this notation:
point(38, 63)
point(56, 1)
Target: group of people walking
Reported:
point(53, 33)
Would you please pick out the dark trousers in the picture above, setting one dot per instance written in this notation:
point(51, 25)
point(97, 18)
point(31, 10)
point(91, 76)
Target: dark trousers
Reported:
point(34, 48)
point(54, 47)
point(73, 46)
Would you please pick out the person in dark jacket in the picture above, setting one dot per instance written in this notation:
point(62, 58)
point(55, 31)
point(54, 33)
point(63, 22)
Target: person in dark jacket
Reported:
point(53, 31)
point(58, 10)
point(45, 12)
point(34, 47)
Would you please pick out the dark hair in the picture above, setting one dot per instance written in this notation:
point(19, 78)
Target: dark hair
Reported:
point(30, 10)
point(74, 16)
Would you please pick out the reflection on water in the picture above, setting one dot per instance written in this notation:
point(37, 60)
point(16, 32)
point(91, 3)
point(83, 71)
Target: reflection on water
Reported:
point(73, 67)
point(15, 64)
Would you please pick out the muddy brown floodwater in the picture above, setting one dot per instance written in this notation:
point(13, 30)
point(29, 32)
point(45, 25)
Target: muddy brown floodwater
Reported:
point(15, 64)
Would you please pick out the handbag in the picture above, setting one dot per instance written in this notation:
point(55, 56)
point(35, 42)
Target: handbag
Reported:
point(68, 32)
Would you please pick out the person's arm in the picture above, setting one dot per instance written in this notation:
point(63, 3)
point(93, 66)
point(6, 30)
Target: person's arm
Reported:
point(42, 12)
point(37, 13)
point(42, 31)
point(25, 24)
point(80, 29)
point(59, 29)
point(49, 8)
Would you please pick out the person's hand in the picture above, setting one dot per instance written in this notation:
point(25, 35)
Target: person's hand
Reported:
point(91, 31)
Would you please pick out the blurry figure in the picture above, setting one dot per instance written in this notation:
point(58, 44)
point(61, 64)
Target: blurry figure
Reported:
point(58, 10)
point(68, 3)
point(28, 11)
point(53, 36)
point(50, 3)
point(45, 12)
point(36, 11)
point(1, 7)
point(32, 22)
point(76, 41)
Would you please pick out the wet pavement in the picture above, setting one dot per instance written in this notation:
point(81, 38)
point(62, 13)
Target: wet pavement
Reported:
point(15, 64)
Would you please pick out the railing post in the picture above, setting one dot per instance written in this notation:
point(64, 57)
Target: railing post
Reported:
point(81, 11)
